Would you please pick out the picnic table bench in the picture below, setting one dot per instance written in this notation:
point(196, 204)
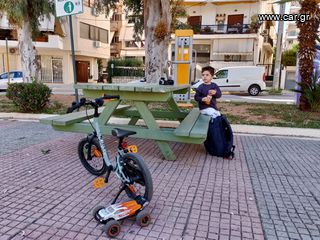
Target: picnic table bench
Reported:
point(193, 126)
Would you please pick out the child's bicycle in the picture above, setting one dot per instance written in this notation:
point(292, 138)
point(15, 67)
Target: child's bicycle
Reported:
point(129, 167)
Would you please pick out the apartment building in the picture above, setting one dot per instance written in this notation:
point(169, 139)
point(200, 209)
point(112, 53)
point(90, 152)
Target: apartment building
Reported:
point(91, 38)
point(227, 33)
point(291, 36)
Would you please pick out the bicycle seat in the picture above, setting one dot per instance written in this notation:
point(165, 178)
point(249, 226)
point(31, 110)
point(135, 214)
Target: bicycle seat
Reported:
point(120, 133)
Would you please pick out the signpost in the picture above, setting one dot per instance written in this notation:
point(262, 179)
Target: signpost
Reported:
point(69, 8)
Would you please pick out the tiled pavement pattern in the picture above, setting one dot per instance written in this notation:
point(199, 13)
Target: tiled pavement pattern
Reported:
point(285, 174)
point(16, 135)
point(50, 196)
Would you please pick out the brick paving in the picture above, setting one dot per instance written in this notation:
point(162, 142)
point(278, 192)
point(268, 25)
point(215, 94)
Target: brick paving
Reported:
point(50, 196)
point(285, 175)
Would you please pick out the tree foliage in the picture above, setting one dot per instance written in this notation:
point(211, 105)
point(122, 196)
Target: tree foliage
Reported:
point(289, 57)
point(19, 11)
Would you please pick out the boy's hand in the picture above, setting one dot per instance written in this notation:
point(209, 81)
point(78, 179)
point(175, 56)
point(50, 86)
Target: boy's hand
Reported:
point(207, 99)
point(212, 92)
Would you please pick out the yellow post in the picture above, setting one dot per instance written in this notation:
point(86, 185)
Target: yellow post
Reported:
point(184, 54)
point(8, 62)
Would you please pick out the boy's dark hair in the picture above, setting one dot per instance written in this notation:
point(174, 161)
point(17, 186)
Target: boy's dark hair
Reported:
point(209, 69)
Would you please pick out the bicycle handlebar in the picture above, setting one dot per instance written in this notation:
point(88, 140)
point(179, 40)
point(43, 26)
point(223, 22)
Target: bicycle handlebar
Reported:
point(98, 102)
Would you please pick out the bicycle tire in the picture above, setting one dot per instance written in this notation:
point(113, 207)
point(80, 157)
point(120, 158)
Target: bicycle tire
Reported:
point(138, 171)
point(84, 143)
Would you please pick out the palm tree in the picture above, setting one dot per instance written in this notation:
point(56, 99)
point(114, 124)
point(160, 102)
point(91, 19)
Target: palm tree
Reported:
point(307, 46)
point(155, 18)
point(24, 15)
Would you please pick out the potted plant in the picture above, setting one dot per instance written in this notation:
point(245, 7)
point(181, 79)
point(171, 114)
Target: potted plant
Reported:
point(255, 24)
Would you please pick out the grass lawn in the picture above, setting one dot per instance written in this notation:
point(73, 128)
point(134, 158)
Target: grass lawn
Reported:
point(281, 115)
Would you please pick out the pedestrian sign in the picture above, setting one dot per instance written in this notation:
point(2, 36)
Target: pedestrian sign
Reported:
point(68, 7)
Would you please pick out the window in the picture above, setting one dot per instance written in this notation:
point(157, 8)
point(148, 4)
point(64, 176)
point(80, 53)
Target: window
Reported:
point(84, 31)
point(130, 44)
point(93, 33)
point(18, 74)
point(88, 3)
point(222, 74)
point(232, 58)
point(103, 35)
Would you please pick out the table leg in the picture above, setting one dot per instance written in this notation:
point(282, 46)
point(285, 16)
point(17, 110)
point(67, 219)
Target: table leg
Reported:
point(152, 125)
point(107, 112)
point(133, 121)
point(173, 105)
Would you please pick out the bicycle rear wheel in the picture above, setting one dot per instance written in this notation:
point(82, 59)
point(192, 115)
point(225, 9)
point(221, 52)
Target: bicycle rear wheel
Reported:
point(137, 171)
point(91, 156)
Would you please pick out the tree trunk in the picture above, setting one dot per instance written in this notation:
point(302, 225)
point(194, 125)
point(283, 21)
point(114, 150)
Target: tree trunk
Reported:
point(157, 22)
point(307, 47)
point(28, 52)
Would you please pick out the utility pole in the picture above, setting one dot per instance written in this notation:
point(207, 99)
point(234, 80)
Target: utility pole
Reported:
point(277, 67)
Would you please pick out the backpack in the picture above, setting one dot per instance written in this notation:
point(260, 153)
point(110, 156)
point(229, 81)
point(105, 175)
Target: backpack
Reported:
point(219, 140)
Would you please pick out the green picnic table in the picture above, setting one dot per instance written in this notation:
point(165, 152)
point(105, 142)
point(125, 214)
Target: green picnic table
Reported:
point(193, 126)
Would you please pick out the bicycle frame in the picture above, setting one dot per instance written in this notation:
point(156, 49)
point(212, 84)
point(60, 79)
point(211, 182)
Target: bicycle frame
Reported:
point(117, 168)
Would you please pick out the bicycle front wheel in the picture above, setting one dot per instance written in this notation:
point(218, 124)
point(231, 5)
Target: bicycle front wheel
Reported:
point(91, 157)
point(137, 171)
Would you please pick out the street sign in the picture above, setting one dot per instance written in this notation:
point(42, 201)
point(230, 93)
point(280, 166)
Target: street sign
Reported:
point(68, 7)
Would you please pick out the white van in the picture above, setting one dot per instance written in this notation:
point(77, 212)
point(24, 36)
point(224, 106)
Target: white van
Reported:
point(249, 79)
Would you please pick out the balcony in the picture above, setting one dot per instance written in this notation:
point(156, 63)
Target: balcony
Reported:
point(50, 41)
point(224, 29)
point(115, 26)
point(115, 47)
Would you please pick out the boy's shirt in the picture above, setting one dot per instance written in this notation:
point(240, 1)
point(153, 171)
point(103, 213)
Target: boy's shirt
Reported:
point(202, 91)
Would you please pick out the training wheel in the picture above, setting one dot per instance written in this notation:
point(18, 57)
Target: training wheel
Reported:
point(112, 228)
point(143, 218)
point(95, 213)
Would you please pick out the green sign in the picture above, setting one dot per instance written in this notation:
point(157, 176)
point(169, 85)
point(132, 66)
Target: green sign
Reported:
point(68, 7)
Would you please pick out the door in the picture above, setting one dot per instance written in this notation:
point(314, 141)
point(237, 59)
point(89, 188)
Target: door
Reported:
point(195, 23)
point(57, 70)
point(82, 71)
point(235, 23)
point(221, 79)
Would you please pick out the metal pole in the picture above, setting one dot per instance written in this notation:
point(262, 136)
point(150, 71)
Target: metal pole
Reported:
point(277, 67)
point(73, 59)
point(8, 62)
point(3, 63)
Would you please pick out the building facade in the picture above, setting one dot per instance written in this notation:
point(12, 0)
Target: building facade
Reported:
point(91, 39)
point(226, 33)
point(291, 36)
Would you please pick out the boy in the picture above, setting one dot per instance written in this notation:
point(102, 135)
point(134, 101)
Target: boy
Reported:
point(207, 93)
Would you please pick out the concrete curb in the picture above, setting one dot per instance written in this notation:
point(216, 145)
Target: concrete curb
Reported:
point(237, 128)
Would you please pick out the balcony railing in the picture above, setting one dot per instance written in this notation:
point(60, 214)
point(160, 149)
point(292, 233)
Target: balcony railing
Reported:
point(225, 29)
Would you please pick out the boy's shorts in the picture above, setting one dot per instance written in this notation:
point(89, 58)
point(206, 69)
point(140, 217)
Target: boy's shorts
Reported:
point(210, 112)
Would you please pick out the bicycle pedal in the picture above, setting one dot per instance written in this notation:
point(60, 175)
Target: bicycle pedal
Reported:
point(99, 183)
point(133, 148)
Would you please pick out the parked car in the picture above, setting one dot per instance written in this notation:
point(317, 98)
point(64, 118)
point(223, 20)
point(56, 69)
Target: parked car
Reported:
point(249, 79)
point(15, 77)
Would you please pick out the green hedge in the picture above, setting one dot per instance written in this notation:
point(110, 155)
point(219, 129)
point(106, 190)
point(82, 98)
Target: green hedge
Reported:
point(125, 67)
point(29, 97)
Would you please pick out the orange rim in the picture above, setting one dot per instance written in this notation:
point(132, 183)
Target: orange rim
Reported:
point(97, 153)
point(113, 230)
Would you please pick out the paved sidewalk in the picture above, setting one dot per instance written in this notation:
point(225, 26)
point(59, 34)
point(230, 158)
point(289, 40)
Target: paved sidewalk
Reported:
point(271, 190)
point(50, 196)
